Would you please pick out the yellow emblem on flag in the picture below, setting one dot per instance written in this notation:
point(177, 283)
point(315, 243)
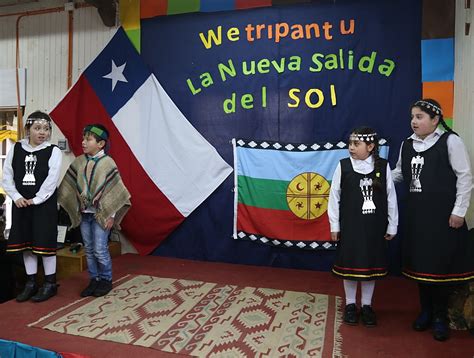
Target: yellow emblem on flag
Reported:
point(307, 195)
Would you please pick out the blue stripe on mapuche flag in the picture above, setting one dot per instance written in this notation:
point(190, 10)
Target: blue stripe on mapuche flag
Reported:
point(121, 51)
point(285, 165)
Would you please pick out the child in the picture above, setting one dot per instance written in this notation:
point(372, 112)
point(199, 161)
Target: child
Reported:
point(30, 176)
point(94, 196)
point(362, 212)
point(436, 252)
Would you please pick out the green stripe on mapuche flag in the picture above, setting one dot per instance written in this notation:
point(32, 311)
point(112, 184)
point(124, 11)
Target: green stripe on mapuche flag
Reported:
point(262, 193)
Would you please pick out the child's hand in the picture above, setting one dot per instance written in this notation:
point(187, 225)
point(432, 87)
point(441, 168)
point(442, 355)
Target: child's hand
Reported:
point(455, 221)
point(21, 203)
point(30, 202)
point(388, 237)
point(109, 223)
point(335, 236)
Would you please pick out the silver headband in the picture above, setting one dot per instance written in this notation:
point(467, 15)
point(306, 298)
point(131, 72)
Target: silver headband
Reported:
point(30, 121)
point(430, 106)
point(369, 138)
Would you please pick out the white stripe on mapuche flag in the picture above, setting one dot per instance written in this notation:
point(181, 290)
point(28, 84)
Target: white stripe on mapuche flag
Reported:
point(172, 152)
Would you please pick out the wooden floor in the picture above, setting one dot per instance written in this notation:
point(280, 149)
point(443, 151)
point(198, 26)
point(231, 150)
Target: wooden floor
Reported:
point(395, 302)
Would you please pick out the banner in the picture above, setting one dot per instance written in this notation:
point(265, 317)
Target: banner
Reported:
point(305, 73)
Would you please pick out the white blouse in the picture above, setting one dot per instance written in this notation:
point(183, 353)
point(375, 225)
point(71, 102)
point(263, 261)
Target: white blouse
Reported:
point(49, 185)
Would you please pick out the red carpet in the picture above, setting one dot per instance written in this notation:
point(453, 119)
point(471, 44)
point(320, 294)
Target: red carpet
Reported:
point(395, 302)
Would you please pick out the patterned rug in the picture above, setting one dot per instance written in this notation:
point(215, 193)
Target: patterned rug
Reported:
point(206, 319)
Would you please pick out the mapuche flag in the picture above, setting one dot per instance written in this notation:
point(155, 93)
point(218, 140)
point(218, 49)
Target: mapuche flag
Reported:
point(282, 192)
point(166, 164)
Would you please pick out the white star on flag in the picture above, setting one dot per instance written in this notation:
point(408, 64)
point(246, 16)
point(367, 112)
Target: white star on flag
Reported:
point(116, 74)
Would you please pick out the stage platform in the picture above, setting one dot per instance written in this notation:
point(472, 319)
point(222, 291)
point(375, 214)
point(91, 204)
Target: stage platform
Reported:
point(395, 302)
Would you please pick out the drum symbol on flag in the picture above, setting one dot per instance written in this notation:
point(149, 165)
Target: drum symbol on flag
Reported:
point(307, 195)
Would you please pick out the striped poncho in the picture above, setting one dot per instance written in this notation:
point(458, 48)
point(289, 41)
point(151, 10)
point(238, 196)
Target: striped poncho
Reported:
point(102, 189)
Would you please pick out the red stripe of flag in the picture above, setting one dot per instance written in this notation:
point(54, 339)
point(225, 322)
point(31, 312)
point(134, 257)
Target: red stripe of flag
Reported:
point(281, 224)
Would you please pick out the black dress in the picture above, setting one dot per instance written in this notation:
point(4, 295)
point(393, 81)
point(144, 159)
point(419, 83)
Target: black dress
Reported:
point(34, 227)
point(362, 249)
point(432, 251)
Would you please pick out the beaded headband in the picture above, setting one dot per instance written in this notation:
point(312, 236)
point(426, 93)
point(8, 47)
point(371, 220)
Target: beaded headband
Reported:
point(31, 120)
point(97, 131)
point(369, 138)
point(430, 106)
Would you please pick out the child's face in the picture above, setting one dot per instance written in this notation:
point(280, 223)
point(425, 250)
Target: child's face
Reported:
point(421, 122)
point(359, 149)
point(39, 132)
point(90, 145)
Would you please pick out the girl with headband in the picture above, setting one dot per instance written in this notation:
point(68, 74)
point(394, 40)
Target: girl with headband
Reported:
point(436, 253)
point(30, 177)
point(363, 214)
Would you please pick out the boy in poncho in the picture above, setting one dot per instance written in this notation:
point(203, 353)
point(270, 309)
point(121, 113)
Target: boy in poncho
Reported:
point(94, 196)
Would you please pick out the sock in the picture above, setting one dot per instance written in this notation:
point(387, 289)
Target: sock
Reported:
point(30, 261)
point(350, 288)
point(49, 264)
point(367, 290)
point(426, 297)
point(440, 301)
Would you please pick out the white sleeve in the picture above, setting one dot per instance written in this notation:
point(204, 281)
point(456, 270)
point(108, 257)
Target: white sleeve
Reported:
point(392, 205)
point(397, 174)
point(334, 199)
point(50, 183)
point(459, 160)
point(7, 182)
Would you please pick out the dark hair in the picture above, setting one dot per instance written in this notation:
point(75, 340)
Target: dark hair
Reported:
point(433, 109)
point(37, 115)
point(371, 137)
point(101, 134)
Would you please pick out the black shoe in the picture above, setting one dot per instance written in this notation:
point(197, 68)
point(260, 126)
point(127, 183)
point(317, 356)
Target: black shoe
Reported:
point(103, 288)
point(47, 291)
point(31, 288)
point(422, 322)
point(89, 290)
point(350, 315)
point(440, 329)
point(369, 319)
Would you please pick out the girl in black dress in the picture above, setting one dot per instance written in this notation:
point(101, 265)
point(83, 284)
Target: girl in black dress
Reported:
point(30, 176)
point(436, 251)
point(363, 214)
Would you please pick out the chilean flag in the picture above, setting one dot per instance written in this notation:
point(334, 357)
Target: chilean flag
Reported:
point(166, 164)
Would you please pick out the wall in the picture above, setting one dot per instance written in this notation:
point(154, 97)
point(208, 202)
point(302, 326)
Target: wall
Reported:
point(43, 44)
point(43, 51)
point(464, 86)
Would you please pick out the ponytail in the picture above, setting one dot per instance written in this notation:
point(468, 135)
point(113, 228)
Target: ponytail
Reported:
point(378, 167)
